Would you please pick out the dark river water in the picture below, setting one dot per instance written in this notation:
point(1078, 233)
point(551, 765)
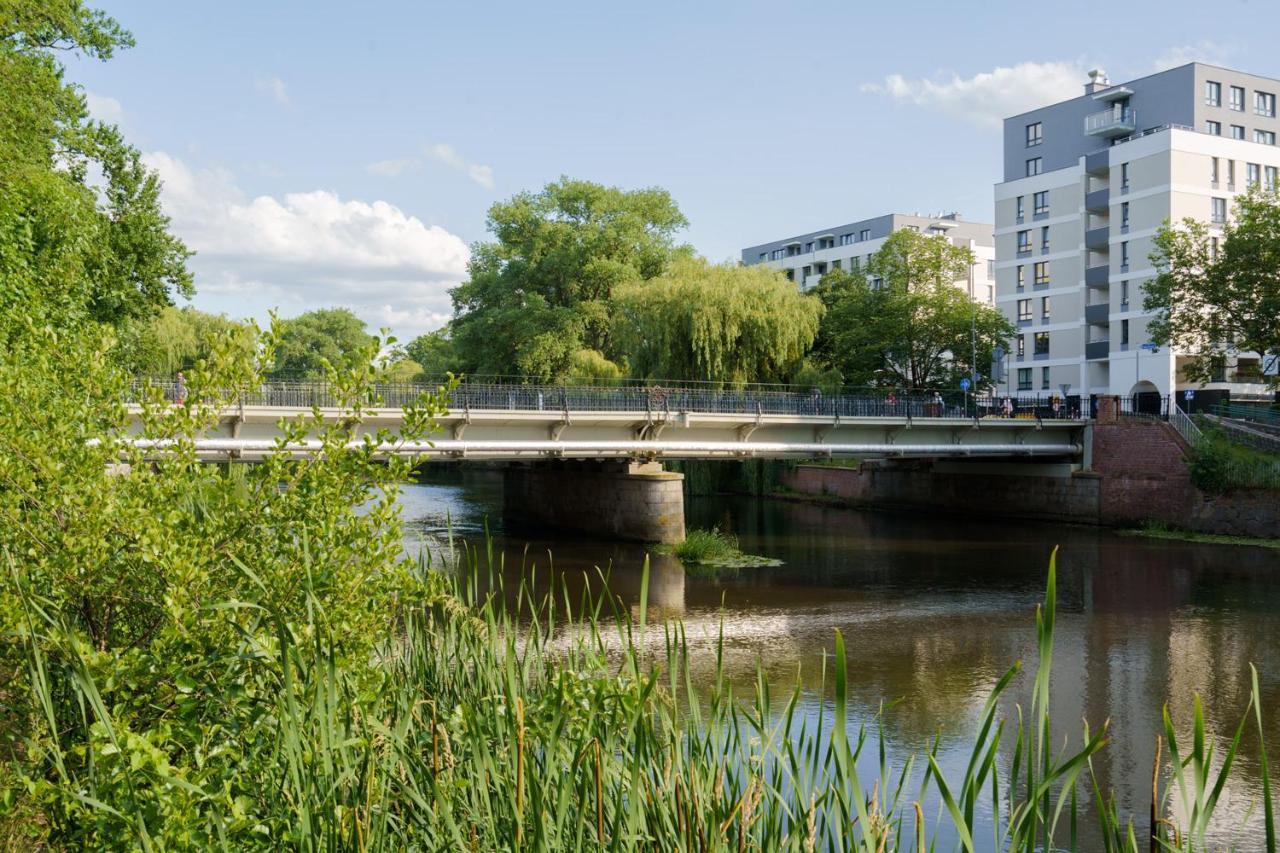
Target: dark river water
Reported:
point(935, 609)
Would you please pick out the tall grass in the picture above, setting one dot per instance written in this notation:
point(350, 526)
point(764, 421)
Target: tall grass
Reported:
point(517, 722)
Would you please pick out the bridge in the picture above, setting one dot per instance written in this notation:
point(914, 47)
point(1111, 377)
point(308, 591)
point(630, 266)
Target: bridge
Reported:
point(599, 448)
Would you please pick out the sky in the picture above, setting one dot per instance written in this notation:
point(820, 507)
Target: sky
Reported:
point(318, 154)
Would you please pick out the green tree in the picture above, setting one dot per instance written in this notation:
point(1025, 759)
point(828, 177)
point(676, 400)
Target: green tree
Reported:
point(99, 249)
point(913, 328)
point(179, 338)
point(1211, 304)
point(716, 322)
point(434, 352)
point(327, 336)
point(539, 293)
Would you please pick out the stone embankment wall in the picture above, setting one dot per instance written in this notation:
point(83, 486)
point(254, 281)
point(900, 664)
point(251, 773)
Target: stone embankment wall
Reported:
point(1139, 475)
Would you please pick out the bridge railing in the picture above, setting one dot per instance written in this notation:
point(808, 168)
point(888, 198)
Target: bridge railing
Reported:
point(657, 400)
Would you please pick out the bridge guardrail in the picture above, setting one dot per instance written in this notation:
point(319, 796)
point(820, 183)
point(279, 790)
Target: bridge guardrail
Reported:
point(656, 399)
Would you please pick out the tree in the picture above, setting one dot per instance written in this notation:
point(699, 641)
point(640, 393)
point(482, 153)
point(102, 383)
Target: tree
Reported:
point(179, 338)
point(434, 352)
point(1210, 302)
point(716, 322)
point(914, 329)
point(71, 245)
point(333, 336)
point(539, 293)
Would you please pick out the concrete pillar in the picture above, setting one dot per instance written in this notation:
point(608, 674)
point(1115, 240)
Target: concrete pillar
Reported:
point(634, 501)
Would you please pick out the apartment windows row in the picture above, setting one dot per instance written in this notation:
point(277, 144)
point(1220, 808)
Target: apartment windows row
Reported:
point(1264, 103)
point(1024, 379)
point(1040, 206)
point(1025, 312)
point(1040, 269)
point(1024, 241)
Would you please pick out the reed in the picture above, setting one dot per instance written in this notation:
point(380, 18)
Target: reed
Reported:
point(498, 719)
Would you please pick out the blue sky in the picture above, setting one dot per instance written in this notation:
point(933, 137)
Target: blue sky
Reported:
point(322, 153)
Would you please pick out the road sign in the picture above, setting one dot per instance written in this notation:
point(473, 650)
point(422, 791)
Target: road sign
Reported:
point(1189, 394)
point(964, 384)
point(1149, 347)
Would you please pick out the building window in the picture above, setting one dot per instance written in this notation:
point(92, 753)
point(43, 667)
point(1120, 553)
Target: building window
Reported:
point(764, 256)
point(1022, 276)
point(1253, 174)
point(1124, 256)
point(1124, 217)
point(1041, 202)
point(1022, 346)
point(1124, 333)
point(869, 257)
point(1035, 134)
point(1044, 379)
point(1270, 174)
point(1213, 248)
point(877, 283)
point(1021, 209)
point(1266, 137)
point(808, 247)
point(1024, 378)
point(1044, 309)
point(1213, 172)
point(835, 265)
point(1042, 343)
point(991, 268)
point(1124, 177)
point(1024, 242)
point(1237, 131)
point(1219, 210)
point(1034, 166)
point(791, 274)
point(1231, 174)
point(808, 271)
point(855, 264)
point(864, 234)
point(827, 243)
point(1264, 104)
point(1044, 240)
point(1042, 272)
point(846, 239)
point(1124, 295)
point(1212, 94)
point(1024, 310)
point(1237, 98)
point(1213, 128)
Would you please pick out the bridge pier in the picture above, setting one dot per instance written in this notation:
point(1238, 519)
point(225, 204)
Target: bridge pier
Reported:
point(635, 501)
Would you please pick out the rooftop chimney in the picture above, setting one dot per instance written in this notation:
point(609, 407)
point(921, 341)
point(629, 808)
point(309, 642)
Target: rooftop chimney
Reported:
point(1097, 81)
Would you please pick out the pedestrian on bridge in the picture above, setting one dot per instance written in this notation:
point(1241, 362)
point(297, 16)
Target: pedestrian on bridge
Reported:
point(180, 389)
point(1006, 407)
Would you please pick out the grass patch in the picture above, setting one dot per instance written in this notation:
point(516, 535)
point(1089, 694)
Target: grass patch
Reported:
point(1160, 530)
point(714, 550)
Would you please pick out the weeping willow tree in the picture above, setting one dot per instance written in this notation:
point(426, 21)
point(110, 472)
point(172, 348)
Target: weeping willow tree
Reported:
point(715, 322)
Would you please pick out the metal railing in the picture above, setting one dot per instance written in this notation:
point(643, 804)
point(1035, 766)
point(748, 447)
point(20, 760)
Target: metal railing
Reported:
point(1269, 415)
point(1186, 427)
point(633, 396)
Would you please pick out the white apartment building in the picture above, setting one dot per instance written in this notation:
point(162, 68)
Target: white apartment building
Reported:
point(807, 257)
point(1087, 183)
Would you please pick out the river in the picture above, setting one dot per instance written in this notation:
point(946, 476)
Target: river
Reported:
point(935, 609)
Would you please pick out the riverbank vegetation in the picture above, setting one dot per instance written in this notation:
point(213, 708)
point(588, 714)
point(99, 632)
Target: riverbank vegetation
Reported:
point(1158, 530)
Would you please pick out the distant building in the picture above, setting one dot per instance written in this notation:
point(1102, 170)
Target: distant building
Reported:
point(807, 257)
point(1087, 183)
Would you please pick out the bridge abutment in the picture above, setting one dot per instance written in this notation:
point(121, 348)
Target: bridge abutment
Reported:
point(636, 501)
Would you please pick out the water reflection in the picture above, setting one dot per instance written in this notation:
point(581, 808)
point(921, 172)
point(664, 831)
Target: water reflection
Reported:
point(934, 611)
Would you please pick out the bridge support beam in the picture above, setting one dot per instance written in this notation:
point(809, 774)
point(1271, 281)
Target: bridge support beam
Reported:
point(634, 501)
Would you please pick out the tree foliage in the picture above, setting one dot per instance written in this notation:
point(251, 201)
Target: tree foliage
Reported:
point(539, 292)
point(1211, 306)
point(97, 246)
point(180, 338)
point(312, 343)
point(914, 329)
point(434, 353)
point(720, 323)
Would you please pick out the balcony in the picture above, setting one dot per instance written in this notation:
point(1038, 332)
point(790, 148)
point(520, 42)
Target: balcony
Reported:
point(1099, 162)
point(1111, 123)
point(1095, 350)
point(1097, 314)
point(1098, 276)
point(1098, 201)
point(1097, 239)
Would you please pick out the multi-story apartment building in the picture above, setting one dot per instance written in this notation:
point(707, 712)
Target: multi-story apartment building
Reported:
point(808, 257)
point(1087, 183)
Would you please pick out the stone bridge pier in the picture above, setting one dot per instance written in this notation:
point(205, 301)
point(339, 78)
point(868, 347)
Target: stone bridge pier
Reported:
point(617, 499)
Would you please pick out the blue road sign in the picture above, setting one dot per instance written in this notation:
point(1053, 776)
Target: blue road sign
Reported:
point(964, 384)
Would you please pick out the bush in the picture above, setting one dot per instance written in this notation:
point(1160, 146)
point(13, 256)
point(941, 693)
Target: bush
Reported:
point(703, 546)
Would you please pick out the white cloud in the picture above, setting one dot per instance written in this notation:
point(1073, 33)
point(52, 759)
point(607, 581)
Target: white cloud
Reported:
point(392, 168)
point(310, 249)
point(274, 88)
point(482, 175)
point(1211, 52)
point(104, 108)
point(987, 98)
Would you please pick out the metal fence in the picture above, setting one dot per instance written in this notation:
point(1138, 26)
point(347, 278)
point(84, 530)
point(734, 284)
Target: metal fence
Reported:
point(656, 399)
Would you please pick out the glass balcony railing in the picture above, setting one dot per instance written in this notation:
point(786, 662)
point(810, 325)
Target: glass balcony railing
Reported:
point(1112, 122)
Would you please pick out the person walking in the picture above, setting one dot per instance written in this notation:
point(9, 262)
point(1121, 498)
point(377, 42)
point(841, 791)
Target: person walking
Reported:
point(1006, 407)
point(180, 389)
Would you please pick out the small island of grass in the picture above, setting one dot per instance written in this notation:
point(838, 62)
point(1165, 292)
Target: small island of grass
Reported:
point(712, 549)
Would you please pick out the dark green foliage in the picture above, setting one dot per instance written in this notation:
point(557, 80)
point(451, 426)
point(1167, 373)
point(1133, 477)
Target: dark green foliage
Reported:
point(313, 342)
